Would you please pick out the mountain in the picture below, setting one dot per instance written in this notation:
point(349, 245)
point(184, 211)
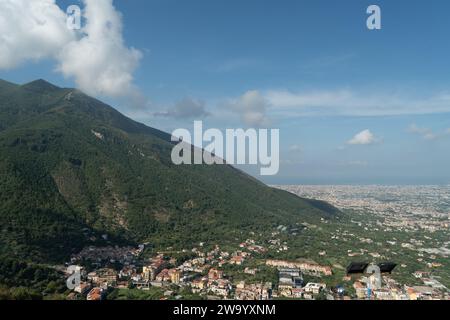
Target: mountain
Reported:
point(73, 169)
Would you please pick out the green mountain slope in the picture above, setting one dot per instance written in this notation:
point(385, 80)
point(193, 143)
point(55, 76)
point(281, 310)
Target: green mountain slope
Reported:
point(73, 169)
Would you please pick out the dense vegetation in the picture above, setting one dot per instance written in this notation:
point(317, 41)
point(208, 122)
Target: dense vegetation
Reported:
point(28, 281)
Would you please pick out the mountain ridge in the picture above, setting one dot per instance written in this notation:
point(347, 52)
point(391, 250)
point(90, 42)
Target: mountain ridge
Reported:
point(74, 168)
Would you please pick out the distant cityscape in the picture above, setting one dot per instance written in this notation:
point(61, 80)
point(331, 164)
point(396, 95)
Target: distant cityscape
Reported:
point(403, 207)
point(412, 198)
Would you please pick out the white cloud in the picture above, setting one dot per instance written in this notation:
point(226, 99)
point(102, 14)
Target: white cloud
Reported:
point(31, 30)
point(427, 133)
point(100, 62)
point(347, 102)
point(295, 148)
point(354, 163)
point(187, 108)
point(310, 99)
point(252, 108)
point(365, 137)
point(284, 104)
point(95, 57)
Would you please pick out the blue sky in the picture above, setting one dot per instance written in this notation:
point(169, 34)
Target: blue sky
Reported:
point(320, 74)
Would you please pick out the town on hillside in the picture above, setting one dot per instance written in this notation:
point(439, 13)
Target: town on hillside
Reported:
point(208, 272)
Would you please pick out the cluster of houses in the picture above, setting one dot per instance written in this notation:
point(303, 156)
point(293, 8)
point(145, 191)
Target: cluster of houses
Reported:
point(309, 268)
point(291, 285)
point(94, 285)
point(213, 283)
point(250, 245)
point(202, 273)
point(254, 291)
point(392, 290)
point(98, 256)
